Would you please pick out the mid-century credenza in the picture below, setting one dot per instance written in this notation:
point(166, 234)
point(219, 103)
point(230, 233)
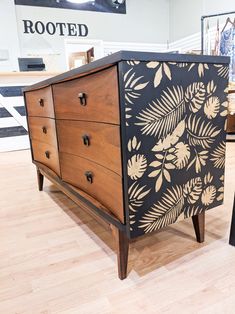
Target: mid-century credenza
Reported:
point(136, 139)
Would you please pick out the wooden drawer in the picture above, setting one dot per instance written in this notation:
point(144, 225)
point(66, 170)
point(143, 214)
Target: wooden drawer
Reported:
point(43, 130)
point(231, 124)
point(106, 186)
point(47, 155)
point(98, 142)
point(40, 103)
point(101, 98)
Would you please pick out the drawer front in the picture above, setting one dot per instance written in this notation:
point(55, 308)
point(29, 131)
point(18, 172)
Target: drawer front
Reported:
point(46, 154)
point(40, 103)
point(98, 100)
point(100, 183)
point(97, 142)
point(231, 124)
point(43, 130)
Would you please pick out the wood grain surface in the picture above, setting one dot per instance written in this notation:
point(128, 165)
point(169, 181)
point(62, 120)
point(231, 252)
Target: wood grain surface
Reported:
point(103, 140)
point(102, 101)
point(39, 154)
point(106, 186)
point(43, 130)
point(33, 103)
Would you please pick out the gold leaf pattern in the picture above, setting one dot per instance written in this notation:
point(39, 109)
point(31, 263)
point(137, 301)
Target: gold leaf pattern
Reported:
point(208, 178)
point(170, 139)
point(136, 166)
point(195, 96)
point(182, 154)
point(223, 70)
point(220, 197)
point(162, 116)
point(212, 107)
point(136, 195)
point(164, 212)
point(218, 156)
point(201, 132)
point(193, 211)
point(199, 160)
point(133, 85)
point(208, 195)
point(176, 122)
point(163, 69)
point(192, 190)
point(133, 144)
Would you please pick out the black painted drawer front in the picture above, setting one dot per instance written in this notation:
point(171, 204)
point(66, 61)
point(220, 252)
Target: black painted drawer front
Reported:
point(175, 141)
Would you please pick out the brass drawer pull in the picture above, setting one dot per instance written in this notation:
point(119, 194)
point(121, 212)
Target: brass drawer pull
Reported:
point(44, 130)
point(89, 176)
point(82, 97)
point(86, 140)
point(47, 154)
point(41, 102)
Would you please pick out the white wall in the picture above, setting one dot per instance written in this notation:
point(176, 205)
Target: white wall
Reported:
point(185, 15)
point(145, 22)
point(8, 35)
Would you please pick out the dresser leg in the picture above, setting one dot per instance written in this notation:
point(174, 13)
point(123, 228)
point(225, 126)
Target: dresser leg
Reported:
point(40, 180)
point(122, 246)
point(199, 226)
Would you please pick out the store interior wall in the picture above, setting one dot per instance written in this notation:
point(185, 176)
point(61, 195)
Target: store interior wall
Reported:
point(185, 15)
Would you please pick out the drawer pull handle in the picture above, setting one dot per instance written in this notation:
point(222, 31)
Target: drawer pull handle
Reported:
point(86, 140)
point(89, 176)
point(82, 97)
point(44, 130)
point(41, 102)
point(47, 153)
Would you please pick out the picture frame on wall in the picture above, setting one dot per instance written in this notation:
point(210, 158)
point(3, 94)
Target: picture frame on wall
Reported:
point(106, 6)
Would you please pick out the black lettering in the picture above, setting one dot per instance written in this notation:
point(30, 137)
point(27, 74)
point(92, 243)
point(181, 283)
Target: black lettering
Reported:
point(72, 31)
point(61, 28)
point(40, 27)
point(28, 27)
point(50, 28)
point(83, 30)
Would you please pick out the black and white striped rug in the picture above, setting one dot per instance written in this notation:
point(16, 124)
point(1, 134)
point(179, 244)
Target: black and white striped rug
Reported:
point(13, 125)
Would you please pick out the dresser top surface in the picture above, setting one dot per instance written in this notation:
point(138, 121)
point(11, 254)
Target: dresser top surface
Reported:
point(127, 56)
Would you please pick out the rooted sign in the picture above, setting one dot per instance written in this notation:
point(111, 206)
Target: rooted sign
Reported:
point(50, 28)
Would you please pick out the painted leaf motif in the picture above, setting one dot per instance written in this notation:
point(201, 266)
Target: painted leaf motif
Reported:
point(223, 71)
point(200, 132)
point(220, 197)
point(162, 116)
point(133, 62)
point(199, 160)
point(218, 156)
point(136, 166)
point(133, 144)
point(211, 88)
point(212, 107)
point(208, 178)
point(224, 113)
point(182, 155)
point(158, 77)
point(193, 211)
point(171, 139)
point(195, 96)
point(208, 195)
point(136, 196)
point(192, 190)
point(164, 212)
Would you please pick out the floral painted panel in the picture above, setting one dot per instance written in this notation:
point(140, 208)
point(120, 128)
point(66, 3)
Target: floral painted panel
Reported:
point(175, 116)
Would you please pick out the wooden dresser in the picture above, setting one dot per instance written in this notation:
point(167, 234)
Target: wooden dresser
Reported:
point(136, 139)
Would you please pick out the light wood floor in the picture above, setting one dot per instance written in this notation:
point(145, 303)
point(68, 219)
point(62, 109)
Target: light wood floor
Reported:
point(56, 259)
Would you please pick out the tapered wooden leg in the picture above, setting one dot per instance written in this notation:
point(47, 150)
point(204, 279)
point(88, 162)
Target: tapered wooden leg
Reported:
point(122, 245)
point(199, 226)
point(232, 230)
point(40, 180)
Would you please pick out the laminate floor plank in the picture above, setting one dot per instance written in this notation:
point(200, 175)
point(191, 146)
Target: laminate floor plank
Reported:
point(56, 259)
